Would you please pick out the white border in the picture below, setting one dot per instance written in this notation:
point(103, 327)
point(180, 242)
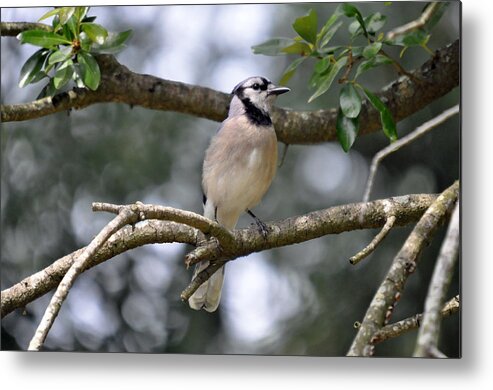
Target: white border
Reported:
point(79, 371)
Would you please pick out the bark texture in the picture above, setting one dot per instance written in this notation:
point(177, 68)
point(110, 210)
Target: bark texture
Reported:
point(405, 96)
point(334, 220)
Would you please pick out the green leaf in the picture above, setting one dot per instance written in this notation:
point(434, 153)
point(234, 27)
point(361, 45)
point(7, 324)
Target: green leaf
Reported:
point(352, 12)
point(114, 43)
point(346, 130)
point(89, 19)
point(39, 76)
point(330, 34)
point(357, 51)
point(290, 70)
point(95, 32)
point(347, 9)
point(388, 123)
point(73, 26)
point(80, 13)
point(322, 65)
point(65, 14)
point(321, 69)
point(63, 74)
point(332, 50)
point(378, 60)
point(306, 26)
point(375, 22)
point(60, 55)
point(55, 23)
point(31, 67)
point(77, 76)
point(326, 81)
point(325, 29)
point(49, 14)
point(372, 49)
point(328, 31)
point(85, 43)
point(355, 29)
point(272, 47)
point(300, 48)
point(48, 90)
point(350, 101)
point(42, 38)
point(89, 69)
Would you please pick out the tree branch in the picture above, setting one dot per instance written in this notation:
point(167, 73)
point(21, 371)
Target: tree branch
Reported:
point(442, 275)
point(149, 211)
point(429, 11)
point(404, 96)
point(127, 215)
point(12, 29)
point(411, 137)
point(374, 243)
point(407, 209)
point(404, 264)
point(399, 328)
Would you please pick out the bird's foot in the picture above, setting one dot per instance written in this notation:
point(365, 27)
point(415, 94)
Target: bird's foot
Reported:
point(261, 226)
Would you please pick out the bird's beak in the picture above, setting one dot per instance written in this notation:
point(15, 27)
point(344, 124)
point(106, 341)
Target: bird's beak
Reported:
point(278, 90)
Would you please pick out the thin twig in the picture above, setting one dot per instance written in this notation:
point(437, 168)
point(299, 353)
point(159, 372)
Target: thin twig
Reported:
point(411, 137)
point(199, 279)
point(403, 326)
point(403, 265)
point(429, 11)
point(373, 244)
point(125, 216)
point(442, 275)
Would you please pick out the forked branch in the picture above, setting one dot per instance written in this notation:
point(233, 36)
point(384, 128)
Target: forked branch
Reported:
point(404, 264)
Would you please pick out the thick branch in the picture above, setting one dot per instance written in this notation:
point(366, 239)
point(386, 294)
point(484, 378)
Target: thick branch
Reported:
point(407, 209)
point(437, 76)
point(404, 264)
point(316, 224)
point(12, 29)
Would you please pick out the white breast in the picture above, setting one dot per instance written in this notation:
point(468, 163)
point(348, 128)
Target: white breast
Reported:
point(254, 160)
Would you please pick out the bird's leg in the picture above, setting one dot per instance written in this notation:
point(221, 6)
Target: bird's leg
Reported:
point(262, 227)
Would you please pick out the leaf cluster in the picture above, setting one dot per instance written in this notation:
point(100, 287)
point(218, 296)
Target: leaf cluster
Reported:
point(364, 49)
point(68, 51)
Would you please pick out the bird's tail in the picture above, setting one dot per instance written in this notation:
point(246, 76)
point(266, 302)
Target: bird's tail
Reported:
point(208, 295)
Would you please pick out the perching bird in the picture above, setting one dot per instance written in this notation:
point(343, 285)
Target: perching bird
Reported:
point(238, 169)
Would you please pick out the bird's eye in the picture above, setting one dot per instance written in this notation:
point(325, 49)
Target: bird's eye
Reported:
point(256, 86)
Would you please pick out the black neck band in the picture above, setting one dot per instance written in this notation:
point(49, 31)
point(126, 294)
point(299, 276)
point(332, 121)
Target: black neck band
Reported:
point(255, 114)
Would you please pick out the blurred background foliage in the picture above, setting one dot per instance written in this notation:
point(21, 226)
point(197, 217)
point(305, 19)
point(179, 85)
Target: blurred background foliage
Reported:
point(296, 300)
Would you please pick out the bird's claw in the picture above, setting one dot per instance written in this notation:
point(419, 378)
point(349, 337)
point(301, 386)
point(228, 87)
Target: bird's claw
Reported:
point(262, 228)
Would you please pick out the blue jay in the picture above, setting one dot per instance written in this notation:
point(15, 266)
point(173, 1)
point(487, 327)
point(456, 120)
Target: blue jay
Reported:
point(238, 169)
